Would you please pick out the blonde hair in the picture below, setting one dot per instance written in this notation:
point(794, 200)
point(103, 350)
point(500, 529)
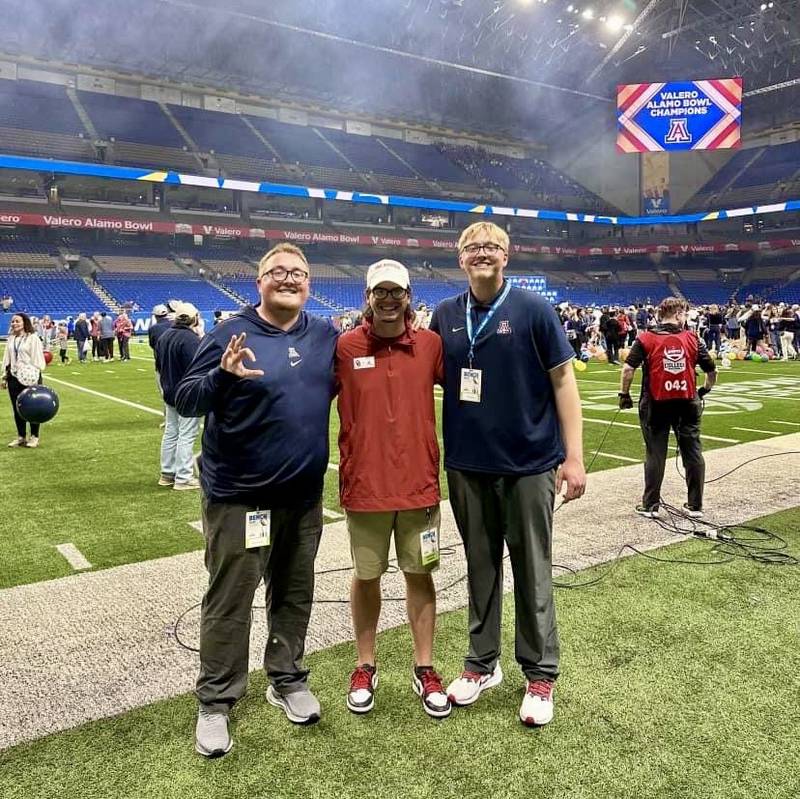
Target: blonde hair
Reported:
point(488, 228)
point(284, 246)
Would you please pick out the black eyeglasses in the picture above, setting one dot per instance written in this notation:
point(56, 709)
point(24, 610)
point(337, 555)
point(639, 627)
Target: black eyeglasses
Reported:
point(279, 274)
point(396, 293)
point(489, 247)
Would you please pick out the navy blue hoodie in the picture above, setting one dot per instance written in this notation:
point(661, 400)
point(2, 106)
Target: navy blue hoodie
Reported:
point(174, 352)
point(265, 441)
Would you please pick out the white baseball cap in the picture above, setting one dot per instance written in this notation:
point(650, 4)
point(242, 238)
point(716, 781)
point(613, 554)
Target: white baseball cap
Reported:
point(387, 271)
point(185, 312)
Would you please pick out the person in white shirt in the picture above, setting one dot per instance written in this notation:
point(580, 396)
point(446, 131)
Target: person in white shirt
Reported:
point(23, 364)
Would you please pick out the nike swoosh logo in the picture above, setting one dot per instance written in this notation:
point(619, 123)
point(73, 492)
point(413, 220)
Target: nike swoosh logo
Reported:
point(456, 329)
point(294, 363)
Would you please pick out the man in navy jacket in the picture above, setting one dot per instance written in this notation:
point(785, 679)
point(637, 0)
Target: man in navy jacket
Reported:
point(264, 380)
point(174, 352)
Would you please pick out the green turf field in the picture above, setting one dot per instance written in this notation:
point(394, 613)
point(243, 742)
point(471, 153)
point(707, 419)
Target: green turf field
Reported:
point(93, 480)
point(679, 682)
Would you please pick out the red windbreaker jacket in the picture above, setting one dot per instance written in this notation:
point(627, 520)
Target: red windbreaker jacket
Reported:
point(389, 454)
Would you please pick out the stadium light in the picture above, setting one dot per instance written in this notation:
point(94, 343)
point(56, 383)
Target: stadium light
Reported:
point(588, 13)
point(614, 23)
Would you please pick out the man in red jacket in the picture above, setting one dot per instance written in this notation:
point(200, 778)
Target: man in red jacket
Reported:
point(389, 475)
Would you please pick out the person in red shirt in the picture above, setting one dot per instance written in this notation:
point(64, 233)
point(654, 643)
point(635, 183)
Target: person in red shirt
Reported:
point(123, 328)
point(669, 400)
point(389, 475)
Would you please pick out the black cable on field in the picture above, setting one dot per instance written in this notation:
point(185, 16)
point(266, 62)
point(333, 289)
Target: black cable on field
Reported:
point(735, 468)
point(602, 441)
point(768, 549)
point(177, 625)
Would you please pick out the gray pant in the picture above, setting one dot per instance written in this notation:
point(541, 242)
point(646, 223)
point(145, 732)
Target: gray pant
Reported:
point(490, 509)
point(656, 420)
point(287, 568)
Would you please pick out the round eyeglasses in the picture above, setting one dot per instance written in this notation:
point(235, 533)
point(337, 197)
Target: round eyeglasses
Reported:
point(395, 293)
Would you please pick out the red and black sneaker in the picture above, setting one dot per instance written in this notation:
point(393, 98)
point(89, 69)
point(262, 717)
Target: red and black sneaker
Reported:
point(363, 682)
point(429, 688)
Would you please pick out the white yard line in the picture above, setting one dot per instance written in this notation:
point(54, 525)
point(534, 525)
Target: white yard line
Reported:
point(777, 421)
point(754, 395)
point(334, 466)
point(106, 396)
point(74, 556)
point(331, 514)
point(756, 430)
point(636, 427)
point(619, 457)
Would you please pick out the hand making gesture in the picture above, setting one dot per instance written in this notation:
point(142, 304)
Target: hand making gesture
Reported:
point(234, 356)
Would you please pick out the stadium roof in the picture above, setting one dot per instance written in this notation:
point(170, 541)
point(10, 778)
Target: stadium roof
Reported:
point(525, 68)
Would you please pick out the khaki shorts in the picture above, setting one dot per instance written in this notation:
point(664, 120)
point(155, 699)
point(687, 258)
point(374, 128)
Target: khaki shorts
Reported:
point(371, 532)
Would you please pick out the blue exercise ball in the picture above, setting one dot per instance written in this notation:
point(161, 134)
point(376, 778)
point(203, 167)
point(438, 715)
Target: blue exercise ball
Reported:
point(37, 404)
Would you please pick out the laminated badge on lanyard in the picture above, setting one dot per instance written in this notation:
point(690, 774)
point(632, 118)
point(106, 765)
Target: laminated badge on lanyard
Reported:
point(470, 390)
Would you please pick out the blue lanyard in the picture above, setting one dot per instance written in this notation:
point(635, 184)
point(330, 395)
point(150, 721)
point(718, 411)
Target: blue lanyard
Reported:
point(474, 337)
point(16, 345)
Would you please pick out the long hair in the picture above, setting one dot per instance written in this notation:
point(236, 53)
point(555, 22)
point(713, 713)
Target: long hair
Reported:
point(367, 312)
point(27, 325)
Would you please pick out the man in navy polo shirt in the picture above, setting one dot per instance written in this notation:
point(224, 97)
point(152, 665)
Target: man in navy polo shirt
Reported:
point(512, 439)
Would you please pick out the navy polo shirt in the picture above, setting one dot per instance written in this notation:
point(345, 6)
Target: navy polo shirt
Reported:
point(514, 429)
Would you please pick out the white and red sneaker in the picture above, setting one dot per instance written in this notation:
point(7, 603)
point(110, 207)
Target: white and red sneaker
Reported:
point(537, 704)
point(468, 687)
point(429, 688)
point(363, 682)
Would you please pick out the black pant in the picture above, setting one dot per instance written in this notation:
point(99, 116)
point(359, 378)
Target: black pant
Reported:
point(106, 347)
point(15, 388)
point(656, 420)
point(124, 349)
point(287, 568)
point(612, 345)
point(489, 510)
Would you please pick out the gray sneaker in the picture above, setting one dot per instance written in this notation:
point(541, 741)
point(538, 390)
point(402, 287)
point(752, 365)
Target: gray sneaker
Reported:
point(300, 707)
point(212, 738)
point(186, 485)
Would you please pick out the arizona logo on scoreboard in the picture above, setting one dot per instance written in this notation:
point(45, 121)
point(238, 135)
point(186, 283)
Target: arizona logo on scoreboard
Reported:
point(684, 115)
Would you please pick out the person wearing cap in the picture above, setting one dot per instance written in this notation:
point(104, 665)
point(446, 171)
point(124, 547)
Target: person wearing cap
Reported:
point(159, 325)
point(174, 351)
point(264, 380)
point(389, 475)
point(512, 439)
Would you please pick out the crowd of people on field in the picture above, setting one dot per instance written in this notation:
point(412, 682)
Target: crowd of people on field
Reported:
point(770, 330)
